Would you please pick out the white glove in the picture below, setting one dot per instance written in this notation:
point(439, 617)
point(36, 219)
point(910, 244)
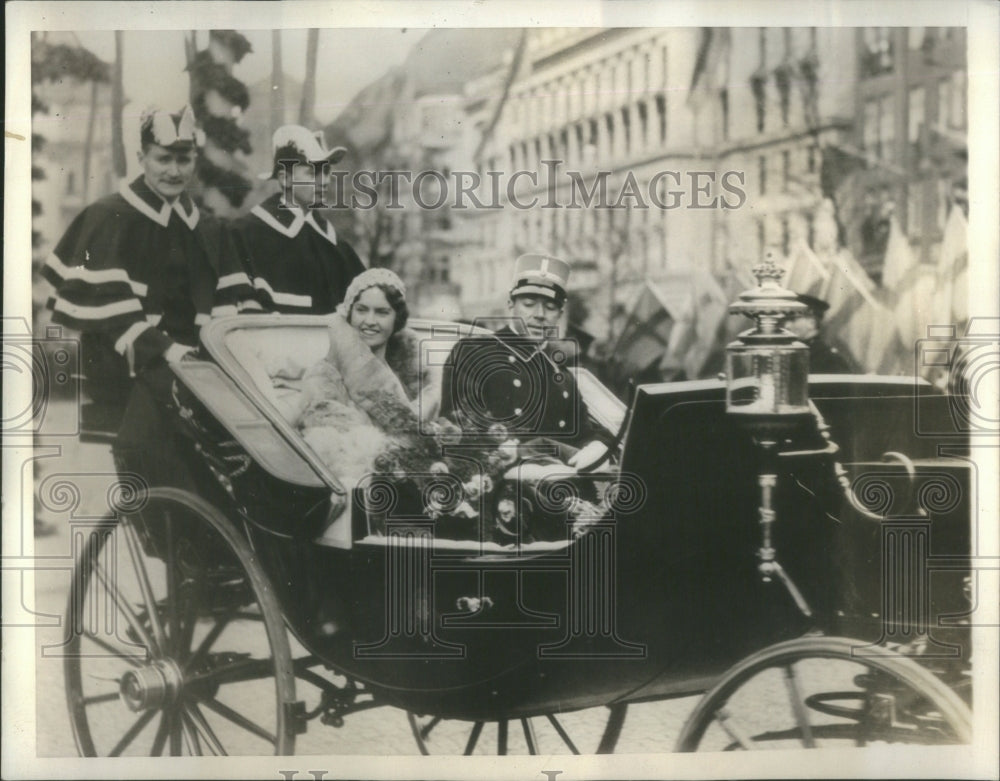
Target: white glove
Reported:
point(589, 454)
point(176, 353)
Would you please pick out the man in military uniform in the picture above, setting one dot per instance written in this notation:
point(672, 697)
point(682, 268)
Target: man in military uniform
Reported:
point(138, 273)
point(823, 357)
point(520, 376)
point(292, 253)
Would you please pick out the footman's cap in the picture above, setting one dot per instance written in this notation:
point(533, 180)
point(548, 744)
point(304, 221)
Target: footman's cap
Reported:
point(173, 131)
point(541, 275)
point(295, 144)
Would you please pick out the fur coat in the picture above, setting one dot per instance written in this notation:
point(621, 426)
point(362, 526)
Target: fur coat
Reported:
point(358, 406)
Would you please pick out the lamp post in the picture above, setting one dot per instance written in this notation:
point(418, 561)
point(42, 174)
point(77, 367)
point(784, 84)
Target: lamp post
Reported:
point(767, 392)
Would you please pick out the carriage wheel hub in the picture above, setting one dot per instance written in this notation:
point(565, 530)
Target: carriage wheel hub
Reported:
point(153, 686)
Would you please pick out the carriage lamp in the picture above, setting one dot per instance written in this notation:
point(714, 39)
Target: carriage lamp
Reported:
point(767, 393)
point(767, 369)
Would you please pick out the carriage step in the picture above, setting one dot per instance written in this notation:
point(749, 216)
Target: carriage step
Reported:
point(295, 716)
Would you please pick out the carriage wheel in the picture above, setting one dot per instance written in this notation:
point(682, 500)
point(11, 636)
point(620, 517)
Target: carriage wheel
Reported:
point(825, 691)
point(435, 735)
point(176, 642)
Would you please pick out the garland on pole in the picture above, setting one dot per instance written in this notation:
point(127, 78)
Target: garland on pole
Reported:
point(226, 134)
point(230, 184)
point(219, 100)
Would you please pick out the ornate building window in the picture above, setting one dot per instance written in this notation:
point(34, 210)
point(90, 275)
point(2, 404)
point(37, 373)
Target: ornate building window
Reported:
point(878, 132)
point(758, 85)
point(877, 56)
point(724, 112)
point(661, 117)
point(916, 117)
point(643, 114)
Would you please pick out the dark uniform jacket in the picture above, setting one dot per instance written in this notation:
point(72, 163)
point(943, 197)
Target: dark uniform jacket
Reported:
point(138, 277)
point(294, 258)
point(511, 379)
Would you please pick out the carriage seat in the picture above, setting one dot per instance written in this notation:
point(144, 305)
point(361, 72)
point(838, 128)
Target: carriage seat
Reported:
point(276, 359)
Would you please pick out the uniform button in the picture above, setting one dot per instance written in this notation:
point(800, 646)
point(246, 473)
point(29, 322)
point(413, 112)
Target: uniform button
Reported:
point(517, 411)
point(510, 359)
point(517, 383)
point(565, 394)
point(562, 424)
point(557, 377)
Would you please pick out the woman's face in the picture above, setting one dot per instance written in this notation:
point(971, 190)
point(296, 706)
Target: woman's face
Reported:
point(373, 317)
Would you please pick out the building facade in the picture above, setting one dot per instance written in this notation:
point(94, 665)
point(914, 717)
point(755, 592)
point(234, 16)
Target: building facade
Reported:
point(592, 117)
point(647, 157)
point(911, 122)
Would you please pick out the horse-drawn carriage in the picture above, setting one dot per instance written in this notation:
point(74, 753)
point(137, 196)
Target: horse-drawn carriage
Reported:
point(706, 573)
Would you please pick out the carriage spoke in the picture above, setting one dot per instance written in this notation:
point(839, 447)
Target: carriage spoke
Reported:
point(798, 707)
point(477, 730)
point(529, 736)
point(190, 618)
point(502, 737)
point(562, 733)
point(190, 735)
point(161, 736)
point(111, 648)
point(175, 734)
point(173, 609)
point(207, 641)
point(132, 732)
point(99, 698)
point(143, 577)
point(726, 722)
point(613, 729)
point(426, 731)
point(202, 723)
point(239, 720)
point(126, 610)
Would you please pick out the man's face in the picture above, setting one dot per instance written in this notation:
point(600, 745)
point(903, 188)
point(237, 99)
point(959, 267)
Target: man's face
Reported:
point(167, 170)
point(304, 183)
point(540, 314)
point(804, 326)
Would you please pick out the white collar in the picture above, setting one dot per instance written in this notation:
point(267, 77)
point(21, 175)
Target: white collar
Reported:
point(162, 216)
point(299, 218)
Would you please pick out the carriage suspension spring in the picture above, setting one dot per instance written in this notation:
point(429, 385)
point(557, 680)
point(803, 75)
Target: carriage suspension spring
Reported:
point(335, 702)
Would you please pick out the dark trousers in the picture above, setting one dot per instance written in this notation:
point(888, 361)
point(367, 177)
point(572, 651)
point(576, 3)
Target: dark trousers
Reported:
point(148, 442)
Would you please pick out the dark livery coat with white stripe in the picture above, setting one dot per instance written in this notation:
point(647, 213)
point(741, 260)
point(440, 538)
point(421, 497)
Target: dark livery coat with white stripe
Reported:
point(138, 276)
point(297, 263)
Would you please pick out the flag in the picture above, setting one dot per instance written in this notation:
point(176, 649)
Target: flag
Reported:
point(695, 333)
point(854, 308)
point(899, 258)
point(806, 273)
point(909, 287)
point(648, 327)
point(951, 300)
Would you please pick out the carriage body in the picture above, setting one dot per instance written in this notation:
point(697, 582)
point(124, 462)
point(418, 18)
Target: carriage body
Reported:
point(656, 601)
